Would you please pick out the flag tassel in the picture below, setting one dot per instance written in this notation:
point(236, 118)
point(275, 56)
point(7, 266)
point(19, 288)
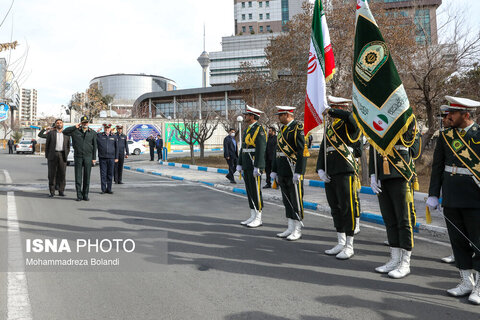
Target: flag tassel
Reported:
point(386, 166)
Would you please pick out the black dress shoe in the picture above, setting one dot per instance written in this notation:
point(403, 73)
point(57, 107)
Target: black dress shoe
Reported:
point(102, 192)
point(61, 194)
point(120, 182)
point(110, 192)
point(78, 199)
point(267, 186)
point(233, 181)
point(51, 195)
point(86, 199)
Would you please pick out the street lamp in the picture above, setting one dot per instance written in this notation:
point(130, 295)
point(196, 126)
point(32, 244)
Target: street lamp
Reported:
point(240, 120)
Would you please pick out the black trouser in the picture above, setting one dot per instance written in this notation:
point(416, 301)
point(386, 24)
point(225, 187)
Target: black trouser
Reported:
point(268, 170)
point(56, 172)
point(106, 173)
point(152, 153)
point(398, 212)
point(254, 190)
point(232, 167)
point(118, 169)
point(466, 221)
point(343, 200)
point(10, 149)
point(292, 196)
point(159, 153)
point(83, 167)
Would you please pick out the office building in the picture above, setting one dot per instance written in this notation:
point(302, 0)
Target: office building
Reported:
point(27, 111)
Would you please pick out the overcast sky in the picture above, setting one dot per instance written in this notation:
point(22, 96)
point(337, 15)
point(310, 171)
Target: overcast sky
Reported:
point(72, 41)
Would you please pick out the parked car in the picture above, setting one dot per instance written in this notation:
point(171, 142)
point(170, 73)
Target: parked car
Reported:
point(24, 146)
point(70, 158)
point(136, 147)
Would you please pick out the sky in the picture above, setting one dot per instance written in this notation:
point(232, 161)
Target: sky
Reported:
point(71, 42)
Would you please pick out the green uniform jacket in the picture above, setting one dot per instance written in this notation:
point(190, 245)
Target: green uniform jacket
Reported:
point(295, 137)
point(260, 145)
point(413, 151)
point(458, 191)
point(336, 163)
point(84, 143)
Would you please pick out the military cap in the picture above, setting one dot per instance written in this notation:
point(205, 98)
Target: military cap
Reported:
point(444, 110)
point(337, 101)
point(284, 109)
point(251, 110)
point(119, 126)
point(456, 103)
point(107, 125)
point(84, 119)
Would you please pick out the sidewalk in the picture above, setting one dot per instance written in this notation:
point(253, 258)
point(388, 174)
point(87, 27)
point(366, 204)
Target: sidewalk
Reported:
point(314, 197)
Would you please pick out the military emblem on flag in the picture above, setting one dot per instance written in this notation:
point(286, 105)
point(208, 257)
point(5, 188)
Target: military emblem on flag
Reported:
point(381, 105)
point(321, 67)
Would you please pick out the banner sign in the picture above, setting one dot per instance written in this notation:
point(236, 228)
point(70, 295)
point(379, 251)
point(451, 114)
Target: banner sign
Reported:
point(3, 111)
point(172, 135)
point(143, 131)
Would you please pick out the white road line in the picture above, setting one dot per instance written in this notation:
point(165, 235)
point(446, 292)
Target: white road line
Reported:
point(18, 300)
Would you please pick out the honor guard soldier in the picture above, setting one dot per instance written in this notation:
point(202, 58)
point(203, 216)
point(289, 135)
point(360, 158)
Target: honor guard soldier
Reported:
point(123, 153)
point(456, 172)
point(288, 169)
point(84, 142)
point(108, 156)
point(340, 174)
point(393, 181)
point(252, 161)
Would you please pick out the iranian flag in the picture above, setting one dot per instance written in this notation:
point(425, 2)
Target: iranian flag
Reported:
point(321, 67)
point(380, 102)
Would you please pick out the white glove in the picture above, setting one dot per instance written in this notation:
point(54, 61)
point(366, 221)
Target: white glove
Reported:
point(375, 185)
point(256, 172)
point(239, 168)
point(432, 203)
point(273, 176)
point(296, 178)
point(323, 176)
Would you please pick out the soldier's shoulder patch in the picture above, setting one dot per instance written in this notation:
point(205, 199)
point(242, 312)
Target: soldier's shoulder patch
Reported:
point(300, 126)
point(262, 133)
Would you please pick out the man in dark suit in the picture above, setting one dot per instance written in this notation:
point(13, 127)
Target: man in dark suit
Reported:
point(122, 154)
point(10, 143)
point(57, 148)
point(270, 154)
point(151, 144)
point(159, 146)
point(230, 154)
point(107, 145)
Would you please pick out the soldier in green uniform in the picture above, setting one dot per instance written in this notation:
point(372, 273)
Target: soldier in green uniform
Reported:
point(288, 168)
point(252, 162)
point(85, 148)
point(340, 174)
point(394, 180)
point(456, 171)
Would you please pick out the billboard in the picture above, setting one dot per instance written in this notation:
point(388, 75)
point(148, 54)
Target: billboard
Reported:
point(143, 131)
point(172, 136)
point(3, 111)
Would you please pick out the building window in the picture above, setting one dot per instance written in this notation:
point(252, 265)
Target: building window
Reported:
point(249, 16)
point(268, 28)
point(268, 16)
point(260, 16)
point(243, 16)
point(249, 4)
point(260, 4)
point(243, 4)
point(250, 28)
point(261, 27)
point(244, 29)
point(267, 3)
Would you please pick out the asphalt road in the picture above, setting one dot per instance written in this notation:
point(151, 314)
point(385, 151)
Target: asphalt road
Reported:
point(212, 267)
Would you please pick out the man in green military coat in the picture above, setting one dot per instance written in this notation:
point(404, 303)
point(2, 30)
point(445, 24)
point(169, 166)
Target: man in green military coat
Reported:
point(252, 162)
point(340, 147)
point(393, 181)
point(456, 172)
point(288, 169)
point(85, 149)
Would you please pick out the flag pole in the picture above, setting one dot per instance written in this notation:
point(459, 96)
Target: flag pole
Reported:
point(325, 142)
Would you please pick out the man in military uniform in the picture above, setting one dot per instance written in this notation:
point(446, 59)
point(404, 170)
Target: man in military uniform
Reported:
point(85, 149)
point(252, 161)
point(340, 174)
point(393, 178)
point(456, 171)
point(108, 155)
point(288, 169)
point(123, 153)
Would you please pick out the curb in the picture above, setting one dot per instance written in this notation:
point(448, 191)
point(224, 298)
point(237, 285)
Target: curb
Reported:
point(435, 231)
point(196, 150)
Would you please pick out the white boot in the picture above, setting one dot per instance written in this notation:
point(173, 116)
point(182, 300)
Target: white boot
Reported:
point(393, 263)
point(403, 268)
point(286, 233)
point(297, 231)
point(475, 295)
point(357, 226)
point(449, 259)
point(339, 247)
point(252, 216)
point(257, 221)
point(347, 251)
point(465, 286)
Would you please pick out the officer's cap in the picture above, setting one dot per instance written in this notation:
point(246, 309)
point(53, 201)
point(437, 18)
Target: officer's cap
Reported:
point(456, 103)
point(84, 119)
point(444, 110)
point(252, 110)
point(338, 101)
point(284, 109)
point(119, 127)
point(107, 125)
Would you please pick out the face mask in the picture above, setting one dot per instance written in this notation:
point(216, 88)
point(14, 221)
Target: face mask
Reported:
point(232, 134)
point(85, 127)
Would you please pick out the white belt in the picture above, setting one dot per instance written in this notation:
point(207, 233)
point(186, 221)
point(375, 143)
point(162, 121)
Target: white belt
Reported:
point(458, 170)
point(401, 148)
point(248, 150)
point(329, 149)
point(281, 154)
